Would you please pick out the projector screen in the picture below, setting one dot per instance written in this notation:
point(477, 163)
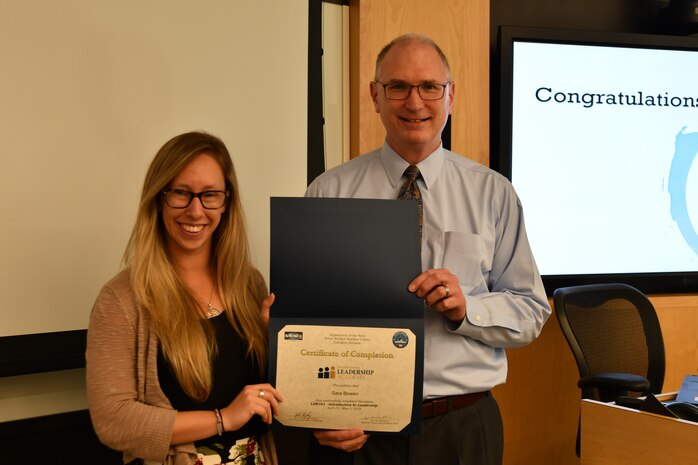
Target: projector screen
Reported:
point(89, 92)
point(599, 135)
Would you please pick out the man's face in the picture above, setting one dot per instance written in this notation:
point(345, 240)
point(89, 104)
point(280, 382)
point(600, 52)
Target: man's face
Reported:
point(413, 125)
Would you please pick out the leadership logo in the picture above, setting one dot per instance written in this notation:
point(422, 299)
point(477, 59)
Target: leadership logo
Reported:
point(326, 373)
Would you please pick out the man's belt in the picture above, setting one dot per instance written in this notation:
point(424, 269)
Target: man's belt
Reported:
point(441, 405)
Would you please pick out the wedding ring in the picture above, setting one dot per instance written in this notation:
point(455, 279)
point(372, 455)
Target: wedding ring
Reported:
point(261, 393)
point(447, 291)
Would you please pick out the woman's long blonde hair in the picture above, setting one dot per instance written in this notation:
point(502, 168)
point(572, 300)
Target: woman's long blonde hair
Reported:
point(187, 341)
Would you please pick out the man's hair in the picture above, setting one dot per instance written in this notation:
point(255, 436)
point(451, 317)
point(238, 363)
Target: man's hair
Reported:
point(406, 38)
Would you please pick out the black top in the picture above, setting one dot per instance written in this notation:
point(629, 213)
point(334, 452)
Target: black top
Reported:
point(232, 370)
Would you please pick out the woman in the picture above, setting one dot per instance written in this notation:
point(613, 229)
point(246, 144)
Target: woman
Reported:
point(176, 345)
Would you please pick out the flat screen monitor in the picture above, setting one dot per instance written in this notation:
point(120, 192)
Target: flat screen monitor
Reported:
point(599, 134)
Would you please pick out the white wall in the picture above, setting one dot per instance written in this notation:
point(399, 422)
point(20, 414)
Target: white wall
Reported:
point(90, 89)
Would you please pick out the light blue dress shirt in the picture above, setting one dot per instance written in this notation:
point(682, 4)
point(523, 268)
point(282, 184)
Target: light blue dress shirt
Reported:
point(474, 227)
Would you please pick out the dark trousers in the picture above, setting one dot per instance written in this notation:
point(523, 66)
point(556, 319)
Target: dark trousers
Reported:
point(470, 436)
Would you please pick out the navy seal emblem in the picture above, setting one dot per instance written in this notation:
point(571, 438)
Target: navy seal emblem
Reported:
point(400, 339)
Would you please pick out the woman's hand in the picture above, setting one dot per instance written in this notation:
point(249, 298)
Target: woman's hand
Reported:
point(255, 399)
point(266, 307)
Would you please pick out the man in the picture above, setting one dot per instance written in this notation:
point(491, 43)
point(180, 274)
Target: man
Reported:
point(481, 288)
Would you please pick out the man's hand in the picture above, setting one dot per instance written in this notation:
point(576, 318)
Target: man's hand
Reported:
point(266, 307)
point(348, 440)
point(440, 290)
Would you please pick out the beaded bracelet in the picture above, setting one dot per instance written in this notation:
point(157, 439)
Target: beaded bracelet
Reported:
point(219, 422)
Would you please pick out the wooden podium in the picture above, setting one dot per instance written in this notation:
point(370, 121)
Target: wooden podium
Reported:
point(614, 435)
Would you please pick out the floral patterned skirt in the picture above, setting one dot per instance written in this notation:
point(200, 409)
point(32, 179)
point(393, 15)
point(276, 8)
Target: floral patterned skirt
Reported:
point(245, 451)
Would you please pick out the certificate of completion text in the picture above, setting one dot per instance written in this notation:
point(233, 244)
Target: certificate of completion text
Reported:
point(341, 377)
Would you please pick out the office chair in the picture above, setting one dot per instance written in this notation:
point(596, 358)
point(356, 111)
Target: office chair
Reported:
point(616, 340)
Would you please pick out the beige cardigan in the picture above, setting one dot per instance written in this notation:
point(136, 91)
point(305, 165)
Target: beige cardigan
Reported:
point(129, 411)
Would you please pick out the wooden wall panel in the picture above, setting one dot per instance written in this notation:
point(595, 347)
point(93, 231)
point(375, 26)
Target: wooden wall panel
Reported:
point(461, 28)
point(540, 401)
point(678, 315)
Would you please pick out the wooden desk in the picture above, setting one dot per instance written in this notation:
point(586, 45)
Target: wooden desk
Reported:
point(613, 435)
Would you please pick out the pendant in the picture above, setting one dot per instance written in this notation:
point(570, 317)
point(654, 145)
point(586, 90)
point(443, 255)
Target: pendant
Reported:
point(213, 311)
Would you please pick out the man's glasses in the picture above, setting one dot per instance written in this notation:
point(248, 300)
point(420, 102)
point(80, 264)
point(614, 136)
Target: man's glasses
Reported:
point(401, 91)
point(180, 198)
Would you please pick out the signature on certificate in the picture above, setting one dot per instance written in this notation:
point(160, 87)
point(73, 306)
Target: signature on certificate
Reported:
point(304, 415)
point(379, 420)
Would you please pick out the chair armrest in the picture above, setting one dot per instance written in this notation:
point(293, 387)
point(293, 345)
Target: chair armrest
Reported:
point(615, 381)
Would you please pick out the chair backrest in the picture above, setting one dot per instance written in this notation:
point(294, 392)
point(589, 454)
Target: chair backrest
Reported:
point(611, 328)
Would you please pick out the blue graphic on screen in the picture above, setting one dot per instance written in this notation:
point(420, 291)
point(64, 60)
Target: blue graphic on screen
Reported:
point(686, 148)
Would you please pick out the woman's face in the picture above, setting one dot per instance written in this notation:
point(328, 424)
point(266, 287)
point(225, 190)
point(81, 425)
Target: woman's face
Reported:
point(190, 230)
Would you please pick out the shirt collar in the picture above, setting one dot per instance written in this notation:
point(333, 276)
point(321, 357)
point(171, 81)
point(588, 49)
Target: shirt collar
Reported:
point(395, 165)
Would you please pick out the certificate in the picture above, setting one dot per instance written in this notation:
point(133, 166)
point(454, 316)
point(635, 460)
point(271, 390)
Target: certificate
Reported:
point(346, 337)
point(338, 377)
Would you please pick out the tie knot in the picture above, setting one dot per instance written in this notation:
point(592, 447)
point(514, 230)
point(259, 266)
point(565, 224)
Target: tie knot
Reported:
point(412, 171)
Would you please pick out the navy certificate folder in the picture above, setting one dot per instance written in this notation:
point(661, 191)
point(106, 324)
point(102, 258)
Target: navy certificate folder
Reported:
point(346, 262)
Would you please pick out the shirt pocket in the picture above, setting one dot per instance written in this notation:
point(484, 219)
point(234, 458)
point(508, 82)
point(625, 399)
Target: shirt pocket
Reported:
point(467, 256)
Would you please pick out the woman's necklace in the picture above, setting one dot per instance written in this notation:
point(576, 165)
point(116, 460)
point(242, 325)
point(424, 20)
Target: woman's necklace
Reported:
point(212, 311)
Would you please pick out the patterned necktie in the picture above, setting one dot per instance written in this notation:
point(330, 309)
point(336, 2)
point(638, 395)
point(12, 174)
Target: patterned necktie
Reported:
point(410, 191)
